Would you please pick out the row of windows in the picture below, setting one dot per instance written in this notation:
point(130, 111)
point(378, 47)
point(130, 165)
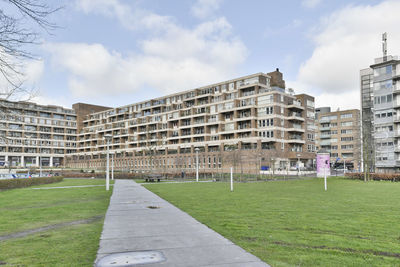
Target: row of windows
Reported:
point(384, 144)
point(346, 131)
point(265, 123)
point(268, 134)
point(347, 146)
point(383, 114)
point(383, 99)
point(347, 138)
point(388, 128)
point(346, 115)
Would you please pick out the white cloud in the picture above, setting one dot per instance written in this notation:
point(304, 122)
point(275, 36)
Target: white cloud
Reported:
point(310, 3)
point(178, 60)
point(22, 84)
point(346, 42)
point(45, 100)
point(205, 8)
point(34, 71)
point(134, 19)
point(170, 58)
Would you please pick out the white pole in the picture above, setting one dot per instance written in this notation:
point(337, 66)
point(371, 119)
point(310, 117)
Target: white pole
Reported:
point(197, 166)
point(112, 166)
point(40, 166)
point(108, 169)
point(231, 179)
point(344, 166)
point(325, 179)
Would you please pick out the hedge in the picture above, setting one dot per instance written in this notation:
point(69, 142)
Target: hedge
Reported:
point(394, 177)
point(126, 175)
point(26, 182)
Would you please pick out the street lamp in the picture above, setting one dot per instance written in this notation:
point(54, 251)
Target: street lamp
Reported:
point(108, 137)
point(40, 158)
point(272, 166)
point(197, 163)
point(112, 166)
point(298, 164)
point(259, 168)
point(29, 138)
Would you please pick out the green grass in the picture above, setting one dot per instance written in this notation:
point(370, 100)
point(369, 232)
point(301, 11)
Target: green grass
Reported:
point(74, 245)
point(296, 223)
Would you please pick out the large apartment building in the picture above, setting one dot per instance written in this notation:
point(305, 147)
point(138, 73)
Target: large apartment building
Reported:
point(380, 102)
point(338, 133)
point(250, 121)
point(32, 134)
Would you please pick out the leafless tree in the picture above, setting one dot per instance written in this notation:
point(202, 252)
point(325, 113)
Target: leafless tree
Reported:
point(16, 38)
point(233, 156)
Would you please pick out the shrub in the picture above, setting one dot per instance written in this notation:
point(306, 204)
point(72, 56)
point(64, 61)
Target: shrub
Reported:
point(26, 182)
point(394, 177)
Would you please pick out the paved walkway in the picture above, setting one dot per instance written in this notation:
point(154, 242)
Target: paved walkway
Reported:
point(162, 231)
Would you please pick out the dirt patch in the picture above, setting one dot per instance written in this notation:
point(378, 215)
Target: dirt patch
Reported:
point(49, 227)
point(54, 204)
point(3, 263)
point(349, 250)
point(251, 239)
point(329, 232)
point(153, 207)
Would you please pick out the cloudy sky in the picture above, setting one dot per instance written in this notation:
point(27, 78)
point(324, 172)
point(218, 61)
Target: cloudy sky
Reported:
point(118, 52)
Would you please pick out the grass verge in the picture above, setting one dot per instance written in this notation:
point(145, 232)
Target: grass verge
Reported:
point(71, 235)
point(296, 223)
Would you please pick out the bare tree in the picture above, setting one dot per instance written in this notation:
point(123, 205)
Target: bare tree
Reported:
point(15, 39)
point(233, 156)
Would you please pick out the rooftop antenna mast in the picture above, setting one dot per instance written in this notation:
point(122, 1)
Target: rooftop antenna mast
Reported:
point(384, 46)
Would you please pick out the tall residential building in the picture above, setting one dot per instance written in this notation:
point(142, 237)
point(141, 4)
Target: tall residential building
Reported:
point(367, 119)
point(248, 121)
point(338, 132)
point(30, 133)
point(384, 90)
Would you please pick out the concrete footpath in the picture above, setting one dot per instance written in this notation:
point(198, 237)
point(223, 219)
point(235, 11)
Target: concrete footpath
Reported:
point(141, 229)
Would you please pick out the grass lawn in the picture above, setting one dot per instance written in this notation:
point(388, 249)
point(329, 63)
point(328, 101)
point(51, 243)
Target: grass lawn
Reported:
point(296, 223)
point(61, 244)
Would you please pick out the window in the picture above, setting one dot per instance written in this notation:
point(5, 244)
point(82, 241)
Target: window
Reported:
point(266, 99)
point(383, 70)
point(346, 123)
point(347, 147)
point(346, 139)
point(345, 116)
point(383, 85)
point(347, 131)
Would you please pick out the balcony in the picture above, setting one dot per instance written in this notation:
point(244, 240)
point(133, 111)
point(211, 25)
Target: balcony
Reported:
point(295, 117)
point(324, 120)
point(296, 139)
point(295, 105)
point(325, 143)
point(325, 136)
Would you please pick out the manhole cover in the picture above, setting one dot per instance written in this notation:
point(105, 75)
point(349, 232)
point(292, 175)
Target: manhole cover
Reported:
point(153, 207)
point(127, 259)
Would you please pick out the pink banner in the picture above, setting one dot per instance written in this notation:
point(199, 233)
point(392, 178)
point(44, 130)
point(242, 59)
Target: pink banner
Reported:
point(323, 166)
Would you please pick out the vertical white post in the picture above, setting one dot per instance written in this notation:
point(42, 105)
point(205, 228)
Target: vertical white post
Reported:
point(325, 179)
point(40, 166)
point(231, 179)
point(112, 166)
point(108, 168)
point(197, 166)
point(344, 166)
